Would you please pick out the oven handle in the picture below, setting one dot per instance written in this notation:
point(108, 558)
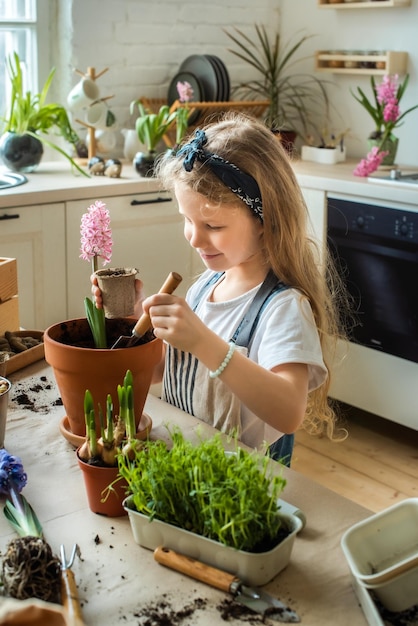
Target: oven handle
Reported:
point(339, 244)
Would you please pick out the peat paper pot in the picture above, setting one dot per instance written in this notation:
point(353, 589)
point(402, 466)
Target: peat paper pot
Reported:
point(100, 499)
point(117, 285)
point(254, 568)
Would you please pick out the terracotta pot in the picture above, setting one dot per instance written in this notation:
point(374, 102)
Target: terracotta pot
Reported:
point(100, 499)
point(287, 139)
point(117, 285)
point(78, 368)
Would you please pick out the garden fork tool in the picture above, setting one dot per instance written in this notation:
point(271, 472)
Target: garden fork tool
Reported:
point(69, 593)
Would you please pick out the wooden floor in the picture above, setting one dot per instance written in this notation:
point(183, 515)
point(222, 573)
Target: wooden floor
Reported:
point(376, 466)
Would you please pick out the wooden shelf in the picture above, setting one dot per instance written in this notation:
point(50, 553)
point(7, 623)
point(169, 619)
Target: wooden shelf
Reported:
point(366, 64)
point(364, 4)
point(207, 111)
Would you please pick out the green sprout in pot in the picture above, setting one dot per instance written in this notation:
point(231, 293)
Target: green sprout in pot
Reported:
point(117, 432)
point(29, 114)
point(230, 498)
point(151, 127)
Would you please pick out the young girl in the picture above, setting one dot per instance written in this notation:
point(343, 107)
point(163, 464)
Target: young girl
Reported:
point(248, 348)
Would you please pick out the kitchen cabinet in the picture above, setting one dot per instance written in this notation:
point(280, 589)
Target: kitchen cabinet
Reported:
point(35, 236)
point(147, 233)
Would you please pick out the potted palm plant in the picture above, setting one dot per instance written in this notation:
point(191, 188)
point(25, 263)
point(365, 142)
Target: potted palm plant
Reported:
point(293, 96)
point(28, 120)
point(150, 128)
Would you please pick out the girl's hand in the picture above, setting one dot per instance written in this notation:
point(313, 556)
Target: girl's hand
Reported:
point(175, 322)
point(139, 296)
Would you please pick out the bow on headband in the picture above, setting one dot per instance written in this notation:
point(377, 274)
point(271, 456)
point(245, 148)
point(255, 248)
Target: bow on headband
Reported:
point(241, 184)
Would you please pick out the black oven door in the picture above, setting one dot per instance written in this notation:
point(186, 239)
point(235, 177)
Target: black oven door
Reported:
point(376, 251)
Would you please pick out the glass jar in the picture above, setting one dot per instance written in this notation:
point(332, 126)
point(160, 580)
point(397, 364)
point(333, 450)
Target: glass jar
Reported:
point(335, 62)
point(352, 63)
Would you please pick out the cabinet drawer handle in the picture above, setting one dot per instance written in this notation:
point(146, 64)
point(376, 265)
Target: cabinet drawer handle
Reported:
point(6, 216)
point(153, 201)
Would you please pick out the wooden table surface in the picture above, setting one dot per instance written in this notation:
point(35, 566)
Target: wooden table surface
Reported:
point(118, 581)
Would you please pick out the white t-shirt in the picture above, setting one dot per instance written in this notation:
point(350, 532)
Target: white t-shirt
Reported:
point(285, 333)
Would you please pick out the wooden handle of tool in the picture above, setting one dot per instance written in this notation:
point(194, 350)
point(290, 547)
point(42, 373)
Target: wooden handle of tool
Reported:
point(200, 571)
point(69, 598)
point(172, 281)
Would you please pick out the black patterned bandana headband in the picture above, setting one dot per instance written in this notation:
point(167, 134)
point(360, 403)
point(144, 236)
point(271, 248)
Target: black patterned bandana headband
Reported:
point(241, 184)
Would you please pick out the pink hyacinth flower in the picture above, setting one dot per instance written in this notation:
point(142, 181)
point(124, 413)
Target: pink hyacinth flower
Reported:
point(96, 235)
point(387, 90)
point(185, 91)
point(371, 162)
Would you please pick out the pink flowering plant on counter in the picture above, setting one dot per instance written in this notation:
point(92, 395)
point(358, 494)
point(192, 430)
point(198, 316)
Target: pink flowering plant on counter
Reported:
point(96, 242)
point(185, 92)
point(386, 114)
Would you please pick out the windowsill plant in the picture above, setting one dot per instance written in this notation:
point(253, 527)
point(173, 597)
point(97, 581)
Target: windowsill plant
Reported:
point(29, 114)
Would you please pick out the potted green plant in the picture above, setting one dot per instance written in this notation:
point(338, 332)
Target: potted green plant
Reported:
point(97, 457)
point(202, 499)
point(293, 96)
point(28, 120)
point(150, 128)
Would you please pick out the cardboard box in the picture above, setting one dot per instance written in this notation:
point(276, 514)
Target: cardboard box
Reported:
point(8, 279)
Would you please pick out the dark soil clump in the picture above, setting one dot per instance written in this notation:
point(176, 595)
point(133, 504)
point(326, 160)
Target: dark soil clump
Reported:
point(79, 335)
point(229, 609)
point(163, 614)
point(32, 397)
point(409, 617)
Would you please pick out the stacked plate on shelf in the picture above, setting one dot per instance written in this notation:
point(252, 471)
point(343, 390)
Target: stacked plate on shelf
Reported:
point(208, 77)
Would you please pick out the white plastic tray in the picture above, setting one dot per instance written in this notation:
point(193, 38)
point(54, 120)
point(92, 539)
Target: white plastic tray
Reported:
point(253, 568)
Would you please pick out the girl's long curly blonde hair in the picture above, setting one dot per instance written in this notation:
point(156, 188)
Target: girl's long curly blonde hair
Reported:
point(289, 249)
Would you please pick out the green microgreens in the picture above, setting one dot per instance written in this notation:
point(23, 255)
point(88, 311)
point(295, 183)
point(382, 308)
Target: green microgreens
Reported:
point(231, 498)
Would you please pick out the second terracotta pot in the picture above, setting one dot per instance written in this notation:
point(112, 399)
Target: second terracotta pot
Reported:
point(102, 500)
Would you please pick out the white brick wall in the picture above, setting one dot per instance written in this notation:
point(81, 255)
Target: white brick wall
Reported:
point(143, 42)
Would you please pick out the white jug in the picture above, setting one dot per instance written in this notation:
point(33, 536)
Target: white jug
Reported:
point(132, 144)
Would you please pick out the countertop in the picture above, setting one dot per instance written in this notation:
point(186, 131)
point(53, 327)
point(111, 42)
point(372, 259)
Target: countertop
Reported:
point(118, 581)
point(55, 182)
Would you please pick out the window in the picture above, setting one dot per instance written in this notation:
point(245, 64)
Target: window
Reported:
point(22, 24)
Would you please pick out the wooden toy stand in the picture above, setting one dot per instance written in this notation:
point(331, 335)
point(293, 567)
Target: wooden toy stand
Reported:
point(91, 73)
